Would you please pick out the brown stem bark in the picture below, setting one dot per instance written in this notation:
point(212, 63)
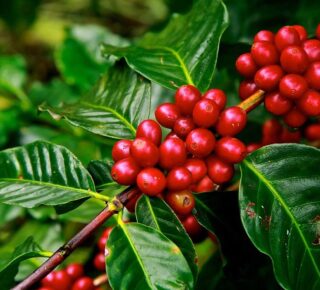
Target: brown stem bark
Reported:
point(62, 253)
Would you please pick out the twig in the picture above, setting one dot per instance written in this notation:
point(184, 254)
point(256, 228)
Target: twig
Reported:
point(62, 253)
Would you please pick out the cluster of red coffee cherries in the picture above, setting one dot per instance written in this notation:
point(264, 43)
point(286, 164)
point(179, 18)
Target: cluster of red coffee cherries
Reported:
point(70, 278)
point(286, 65)
point(190, 158)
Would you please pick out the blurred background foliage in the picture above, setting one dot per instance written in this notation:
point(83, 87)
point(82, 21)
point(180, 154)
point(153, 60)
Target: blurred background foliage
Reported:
point(49, 52)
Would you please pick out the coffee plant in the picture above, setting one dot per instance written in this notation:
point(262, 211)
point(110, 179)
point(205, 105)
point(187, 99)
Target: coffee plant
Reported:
point(179, 151)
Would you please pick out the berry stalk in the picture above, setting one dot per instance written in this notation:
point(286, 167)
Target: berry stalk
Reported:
point(253, 101)
point(114, 206)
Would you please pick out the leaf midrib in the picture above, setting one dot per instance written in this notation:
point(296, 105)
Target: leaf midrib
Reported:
point(286, 208)
point(114, 112)
point(125, 231)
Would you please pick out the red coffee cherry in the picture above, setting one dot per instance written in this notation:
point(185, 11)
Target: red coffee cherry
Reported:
point(75, 271)
point(103, 239)
point(186, 97)
point(200, 142)
point(219, 171)
point(144, 152)
point(125, 171)
point(268, 77)
point(131, 204)
point(231, 121)
point(293, 86)
point(264, 35)
point(205, 113)
point(309, 104)
point(172, 153)
point(312, 49)
point(182, 202)
point(303, 35)
point(151, 130)
point(318, 31)
point(271, 131)
point(99, 262)
point(264, 53)
point(246, 89)
point(293, 59)
point(121, 150)
point(286, 36)
point(231, 149)
point(151, 181)
point(172, 134)
point(197, 168)
point(45, 288)
point(183, 126)
point(218, 96)
point(179, 178)
point(206, 185)
point(62, 280)
point(288, 136)
point(312, 132)
point(192, 226)
point(313, 75)
point(253, 147)
point(277, 104)
point(49, 280)
point(167, 114)
point(84, 283)
point(294, 118)
point(246, 65)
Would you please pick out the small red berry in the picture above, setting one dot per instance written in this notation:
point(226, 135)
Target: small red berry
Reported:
point(303, 35)
point(309, 104)
point(218, 96)
point(183, 126)
point(206, 185)
point(277, 104)
point(186, 97)
point(172, 134)
point(205, 113)
point(197, 167)
point(313, 75)
point(271, 130)
point(99, 262)
point(268, 77)
point(182, 202)
point(312, 49)
point(45, 288)
point(131, 204)
point(144, 152)
point(125, 171)
point(103, 239)
point(264, 53)
point(312, 132)
point(172, 153)
point(246, 65)
point(264, 35)
point(295, 118)
point(218, 170)
point(253, 147)
point(246, 89)
point(151, 130)
point(231, 121)
point(151, 181)
point(288, 136)
point(293, 59)
point(49, 280)
point(286, 36)
point(293, 86)
point(200, 142)
point(62, 281)
point(84, 283)
point(179, 178)
point(231, 149)
point(192, 226)
point(75, 271)
point(166, 114)
point(121, 150)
